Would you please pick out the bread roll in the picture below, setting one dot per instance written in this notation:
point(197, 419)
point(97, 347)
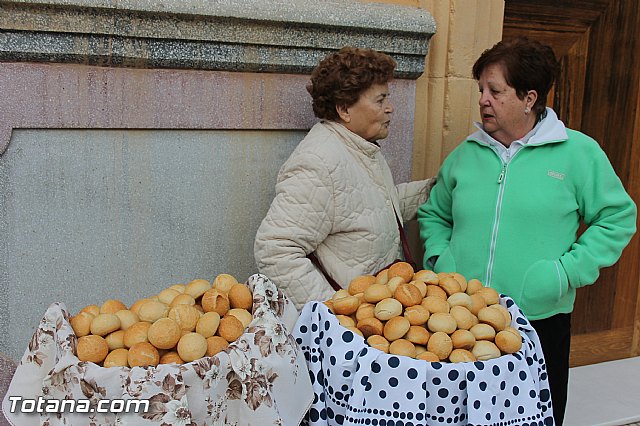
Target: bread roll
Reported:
point(394, 282)
point(473, 285)
point(240, 296)
point(115, 340)
point(461, 280)
point(464, 318)
point(434, 290)
point(230, 328)
point(442, 322)
point(346, 320)
point(192, 346)
point(135, 308)
point(421, 286)
point(112, 306)
point(215, 344)
point(197, 288)
point(493, 317)
point(489, 294)
point(508, 342)
point(171, 357)
point(152, 310)
point(417, 315)
point(378, 342)
point(426, 276)
point(365, 310)
point(450, 285)
point(360, 283)
point(127, 318)
point(346, 305)
point(167, 295)
point(91, 309)
point(186, 316)
point(370, 326)
point(460, 299)
point(104, 324)
point(355, 330)
point(417, 335)
point(182, 299)
point(402, 347)
point(180, 288)
point(208, 324)
point(224, 282)
point(477, 303)
point(461, 355)
point(137, 333)
point(485, 350)
point(92, 348)
point(483, 331)
point(435, 304)
point(440, 344)
point(215, 301)
point(143, 354)
point(382, 277)
point(164, 333)
point(428, 356)
point(377, 292)
point(408, 295)
point(504, 311)
point(245, 316)
point(387, 309)
point(401, 269)
point(463, 339)
point(81, 323)
point(329, 305)
point(395, 328)
point(117, 358)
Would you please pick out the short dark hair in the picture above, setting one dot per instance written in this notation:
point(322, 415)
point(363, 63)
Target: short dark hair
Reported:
point(341, 77)
point(528, 65)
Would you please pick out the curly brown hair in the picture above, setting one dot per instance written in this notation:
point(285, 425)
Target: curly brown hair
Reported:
point(528, 65)
point(340, 78)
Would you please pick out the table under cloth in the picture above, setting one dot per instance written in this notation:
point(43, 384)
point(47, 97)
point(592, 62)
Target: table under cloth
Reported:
point(355, 384)
point(260, 379)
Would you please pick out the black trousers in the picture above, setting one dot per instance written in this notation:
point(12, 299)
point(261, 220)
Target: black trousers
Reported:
point(555, 337)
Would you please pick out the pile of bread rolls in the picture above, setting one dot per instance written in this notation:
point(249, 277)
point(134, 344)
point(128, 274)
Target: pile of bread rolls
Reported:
point(182, 323)
point(425, 315)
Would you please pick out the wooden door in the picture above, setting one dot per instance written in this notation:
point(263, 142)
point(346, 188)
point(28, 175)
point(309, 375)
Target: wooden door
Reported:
point(598, 42)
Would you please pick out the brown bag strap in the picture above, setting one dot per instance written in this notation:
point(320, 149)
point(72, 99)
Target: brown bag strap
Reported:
point(312, 257)
point(405, 243)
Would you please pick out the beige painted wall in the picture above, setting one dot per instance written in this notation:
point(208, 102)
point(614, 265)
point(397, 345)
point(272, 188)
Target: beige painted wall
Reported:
point(447, 94)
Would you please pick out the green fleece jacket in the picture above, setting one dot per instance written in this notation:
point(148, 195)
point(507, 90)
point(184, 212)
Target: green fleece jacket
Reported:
point(514, 225)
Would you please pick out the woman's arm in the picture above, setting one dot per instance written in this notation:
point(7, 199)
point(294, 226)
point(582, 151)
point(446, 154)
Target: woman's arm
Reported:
point(299, 219)
point(412, 195)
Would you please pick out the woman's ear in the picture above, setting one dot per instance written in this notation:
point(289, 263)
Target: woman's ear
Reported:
point(531, 98)
point(343, 113)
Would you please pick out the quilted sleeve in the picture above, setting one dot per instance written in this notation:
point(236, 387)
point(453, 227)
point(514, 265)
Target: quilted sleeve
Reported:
point(412, 195)
point(299, 219)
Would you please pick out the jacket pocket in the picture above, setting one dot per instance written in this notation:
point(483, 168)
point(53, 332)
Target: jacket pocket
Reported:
point(544, 283)
point(445, 262)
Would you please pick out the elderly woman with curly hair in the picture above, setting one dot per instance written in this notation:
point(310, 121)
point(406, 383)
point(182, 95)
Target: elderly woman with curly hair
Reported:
point(337, 212)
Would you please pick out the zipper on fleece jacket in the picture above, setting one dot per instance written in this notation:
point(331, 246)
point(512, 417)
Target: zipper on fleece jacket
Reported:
point(498, 212)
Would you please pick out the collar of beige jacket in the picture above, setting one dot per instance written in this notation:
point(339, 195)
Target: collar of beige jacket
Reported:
point(352, 140)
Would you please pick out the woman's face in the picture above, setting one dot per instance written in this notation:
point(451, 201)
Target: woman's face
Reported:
point(370, 116)
point(504, 116)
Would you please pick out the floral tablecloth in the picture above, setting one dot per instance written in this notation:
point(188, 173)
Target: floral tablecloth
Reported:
point(261, 379)
point(355, 384)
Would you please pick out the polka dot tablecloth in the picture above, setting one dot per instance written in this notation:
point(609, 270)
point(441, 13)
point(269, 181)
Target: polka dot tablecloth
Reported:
point(355, 384)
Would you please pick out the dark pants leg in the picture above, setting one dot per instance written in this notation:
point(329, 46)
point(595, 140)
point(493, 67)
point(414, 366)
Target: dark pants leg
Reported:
point(555, 337)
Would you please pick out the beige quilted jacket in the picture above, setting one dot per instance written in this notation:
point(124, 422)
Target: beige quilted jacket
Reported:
point(334, 197)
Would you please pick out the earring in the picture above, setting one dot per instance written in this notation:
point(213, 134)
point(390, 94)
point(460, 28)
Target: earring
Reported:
point(527, 110)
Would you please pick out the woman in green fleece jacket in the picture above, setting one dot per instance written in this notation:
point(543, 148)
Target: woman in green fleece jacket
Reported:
point(509, 200)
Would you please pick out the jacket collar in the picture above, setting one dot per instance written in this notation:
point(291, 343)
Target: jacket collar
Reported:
point(551, 130)
point(352, 140)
